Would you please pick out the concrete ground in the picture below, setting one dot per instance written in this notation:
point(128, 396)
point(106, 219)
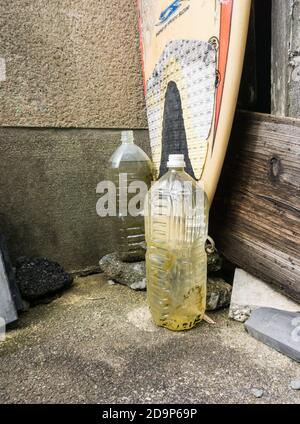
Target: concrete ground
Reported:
point(97, 344)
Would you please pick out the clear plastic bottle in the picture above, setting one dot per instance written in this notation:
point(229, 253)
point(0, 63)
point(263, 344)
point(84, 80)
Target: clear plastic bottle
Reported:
point(176, 218)
point(132, 163)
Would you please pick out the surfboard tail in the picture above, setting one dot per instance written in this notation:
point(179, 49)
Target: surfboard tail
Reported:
point(192, 58)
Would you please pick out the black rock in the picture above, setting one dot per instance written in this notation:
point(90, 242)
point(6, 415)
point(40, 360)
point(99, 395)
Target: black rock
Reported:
point(39, 278)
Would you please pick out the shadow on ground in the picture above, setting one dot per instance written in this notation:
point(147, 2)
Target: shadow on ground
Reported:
point(97, 344)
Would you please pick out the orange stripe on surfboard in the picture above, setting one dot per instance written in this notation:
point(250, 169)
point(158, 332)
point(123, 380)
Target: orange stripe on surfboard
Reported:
point(225, 32)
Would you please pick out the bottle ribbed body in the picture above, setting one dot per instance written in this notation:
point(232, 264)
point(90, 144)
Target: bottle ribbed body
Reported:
point(176, 232)
point(129, 231)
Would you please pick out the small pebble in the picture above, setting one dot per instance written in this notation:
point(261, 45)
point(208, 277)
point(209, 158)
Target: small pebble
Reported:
point(111, 283)
point(295, 385)
point(258, 393)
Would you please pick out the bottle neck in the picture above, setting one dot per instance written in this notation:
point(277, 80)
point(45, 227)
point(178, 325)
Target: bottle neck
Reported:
point(127, 137)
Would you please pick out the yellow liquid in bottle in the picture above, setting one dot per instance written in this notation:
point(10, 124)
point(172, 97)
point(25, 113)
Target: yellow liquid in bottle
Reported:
point(176, 260)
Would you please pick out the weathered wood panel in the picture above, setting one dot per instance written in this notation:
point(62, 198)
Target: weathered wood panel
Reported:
point(255, 218)
point(286, 58)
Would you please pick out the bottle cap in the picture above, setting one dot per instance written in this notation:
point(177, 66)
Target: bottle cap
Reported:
point(127, 137)
point(176, 161)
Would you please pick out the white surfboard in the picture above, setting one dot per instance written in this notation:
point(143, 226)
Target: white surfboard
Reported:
point(193, 53)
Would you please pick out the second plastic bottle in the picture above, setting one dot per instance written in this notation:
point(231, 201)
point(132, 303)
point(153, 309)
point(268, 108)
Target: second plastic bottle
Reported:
point(129, 164)
point(176, 217)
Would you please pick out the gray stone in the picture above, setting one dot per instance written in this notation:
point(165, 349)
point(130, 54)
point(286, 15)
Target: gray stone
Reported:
point(250, 293)
point(277, 329)
point(39, 278)
point(218, 294)
point(133, 275)
point(2, 329)
point(239, 313)
point(214, 262)
point(10, 274)
point(8, 311)
point(295, 385)
point(258, 393)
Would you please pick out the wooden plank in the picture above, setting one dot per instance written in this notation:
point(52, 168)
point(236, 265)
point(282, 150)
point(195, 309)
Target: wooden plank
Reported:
point(286, 58)
point(255, 216)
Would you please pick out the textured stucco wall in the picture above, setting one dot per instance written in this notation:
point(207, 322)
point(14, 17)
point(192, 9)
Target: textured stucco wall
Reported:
point(48, 180)
point(72, 63)
point(69, 65)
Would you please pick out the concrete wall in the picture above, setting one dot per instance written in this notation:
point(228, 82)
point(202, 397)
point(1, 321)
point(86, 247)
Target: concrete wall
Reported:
point(72, 63)
point(64, 66)
point(48, 180)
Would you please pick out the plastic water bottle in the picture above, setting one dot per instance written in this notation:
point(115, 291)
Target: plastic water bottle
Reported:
point(129, 164)
point(176, 217)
